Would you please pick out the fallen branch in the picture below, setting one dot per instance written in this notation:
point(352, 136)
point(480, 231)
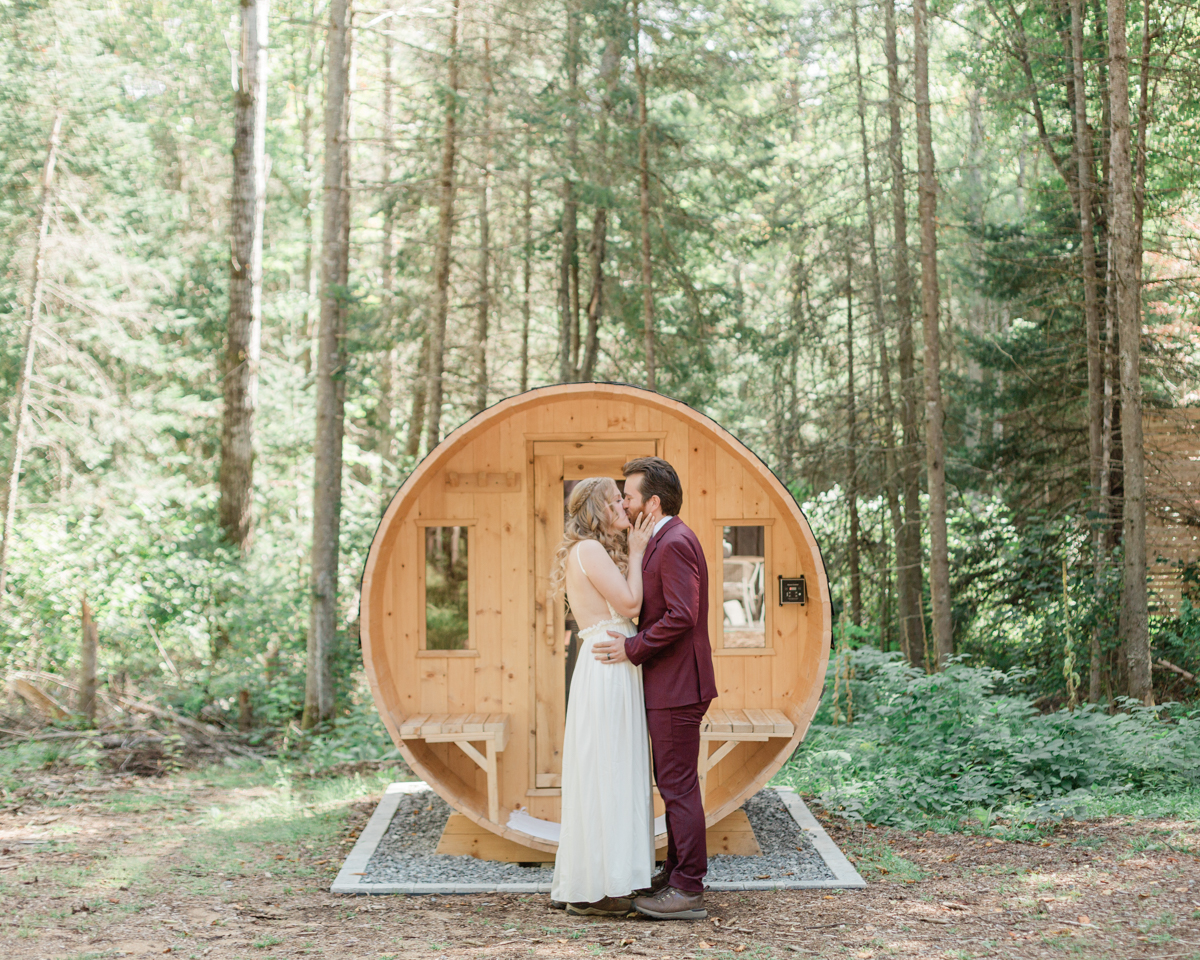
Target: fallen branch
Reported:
point(1168, 665)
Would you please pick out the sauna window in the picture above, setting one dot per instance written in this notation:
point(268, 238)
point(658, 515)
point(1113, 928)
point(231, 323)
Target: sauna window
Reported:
point(744, 587)
point(447, 604)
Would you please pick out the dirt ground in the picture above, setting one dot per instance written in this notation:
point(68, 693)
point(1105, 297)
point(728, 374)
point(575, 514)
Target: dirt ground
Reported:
point(95, 866)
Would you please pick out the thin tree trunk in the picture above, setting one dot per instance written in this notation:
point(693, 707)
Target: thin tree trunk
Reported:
point(526, 271)
point(1134, 626)
point(485, 188)
point(935, 449)
point(331, 387)
point(910, 607)
point(644, 180)
point(445, 236)
point(244, 324)
point(32, 329)
point(568, 271)
point(598, 246)
point(885, 375)
point(416, 414)
point(385, 436)
point(1091, 310)
point(89, 641)
point(852, 451)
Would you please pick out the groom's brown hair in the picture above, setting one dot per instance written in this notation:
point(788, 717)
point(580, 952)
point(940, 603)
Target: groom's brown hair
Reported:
point(659, 479)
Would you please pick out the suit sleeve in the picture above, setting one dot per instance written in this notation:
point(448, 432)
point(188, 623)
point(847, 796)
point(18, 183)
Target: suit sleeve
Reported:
point(680, 575)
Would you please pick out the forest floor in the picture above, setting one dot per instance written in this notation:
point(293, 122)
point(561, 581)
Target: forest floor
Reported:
point(220, 864)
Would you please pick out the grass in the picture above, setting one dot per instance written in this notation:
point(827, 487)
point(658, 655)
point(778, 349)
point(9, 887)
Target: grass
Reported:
point(875, 860)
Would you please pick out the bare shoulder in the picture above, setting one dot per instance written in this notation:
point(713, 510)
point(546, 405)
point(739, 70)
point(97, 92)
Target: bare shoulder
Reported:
point(592, 552)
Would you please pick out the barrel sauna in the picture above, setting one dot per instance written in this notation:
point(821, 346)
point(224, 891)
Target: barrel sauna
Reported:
point(469, 660)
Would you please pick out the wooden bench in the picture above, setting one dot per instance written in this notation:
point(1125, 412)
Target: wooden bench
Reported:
point(464, 729)
point(731, 727)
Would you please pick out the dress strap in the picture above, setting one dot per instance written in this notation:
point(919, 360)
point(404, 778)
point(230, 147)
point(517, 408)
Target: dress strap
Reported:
point(579, 557)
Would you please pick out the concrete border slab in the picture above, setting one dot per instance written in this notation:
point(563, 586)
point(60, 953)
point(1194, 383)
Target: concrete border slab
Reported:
point(350, 878)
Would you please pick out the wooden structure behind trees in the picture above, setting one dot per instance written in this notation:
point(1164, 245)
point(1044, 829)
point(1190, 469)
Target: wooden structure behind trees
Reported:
point(477, 704)
point(1173, 501)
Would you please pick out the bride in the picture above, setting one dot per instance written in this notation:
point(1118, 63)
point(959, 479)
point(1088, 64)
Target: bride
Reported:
point(606, 847)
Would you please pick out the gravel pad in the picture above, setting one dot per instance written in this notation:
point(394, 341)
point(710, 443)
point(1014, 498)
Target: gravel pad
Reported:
point(406, 854)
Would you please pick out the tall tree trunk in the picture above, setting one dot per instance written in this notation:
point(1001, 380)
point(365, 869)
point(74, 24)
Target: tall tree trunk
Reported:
point(644, 182)
point(598, 246)
point(416, 413)
point(331, 361)
point(243, 336)
point(32, 329)
point(526, 269)
point(852, 450)
point(1134, 626)
point(485, 252)
point(1091, 311)
point(89, 641)
point(568, 269)
point(445, 235)
point(935, 447)
point(885, 374)
point(385, 435)
point(908, 551)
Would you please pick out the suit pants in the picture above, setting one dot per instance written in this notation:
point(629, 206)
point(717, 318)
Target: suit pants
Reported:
point(675, 736)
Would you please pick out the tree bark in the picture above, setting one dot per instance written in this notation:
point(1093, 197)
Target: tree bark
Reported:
point(89, 641)
point(568, 270)
point(908, 550)
point(644, 182)
point(485, 188)
point(244, 323)
point(1091, 311)
point(445, 235)
point(385, 435)
point(526, 270)
point(885, 374)
point(852, 451)
point(1122, 228)
point(598, 246)
point(331, 387)
point(935, 452)
point(416, 413)
point(32, 329)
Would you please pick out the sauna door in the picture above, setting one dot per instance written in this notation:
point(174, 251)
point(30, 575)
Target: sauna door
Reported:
point(557, 466)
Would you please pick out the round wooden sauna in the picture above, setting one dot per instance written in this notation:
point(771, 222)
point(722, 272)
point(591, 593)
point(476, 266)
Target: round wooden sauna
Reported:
point(469, 661)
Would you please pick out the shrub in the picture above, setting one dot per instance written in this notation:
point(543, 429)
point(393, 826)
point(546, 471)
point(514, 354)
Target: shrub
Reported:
point(937, 745)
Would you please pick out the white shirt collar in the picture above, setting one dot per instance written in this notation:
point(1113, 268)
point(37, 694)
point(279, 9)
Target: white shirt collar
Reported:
point(661, 523)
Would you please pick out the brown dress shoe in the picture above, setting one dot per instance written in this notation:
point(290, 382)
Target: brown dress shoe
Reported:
point(608, 907)
point(671, 903)
point(659, 882)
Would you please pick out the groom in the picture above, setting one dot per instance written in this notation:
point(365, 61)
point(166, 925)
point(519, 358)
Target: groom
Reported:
point(673, 648)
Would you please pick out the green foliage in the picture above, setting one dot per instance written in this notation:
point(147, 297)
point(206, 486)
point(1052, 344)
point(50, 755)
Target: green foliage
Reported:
point(935, 746)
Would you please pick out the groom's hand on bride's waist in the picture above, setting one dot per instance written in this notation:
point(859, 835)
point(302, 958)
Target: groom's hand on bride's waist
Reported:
point(611, 650)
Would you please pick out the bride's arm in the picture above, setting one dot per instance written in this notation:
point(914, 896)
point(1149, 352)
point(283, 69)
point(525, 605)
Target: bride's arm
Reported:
point(624, 593)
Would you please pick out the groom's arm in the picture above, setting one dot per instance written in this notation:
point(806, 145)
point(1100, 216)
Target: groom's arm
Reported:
point(680, 576)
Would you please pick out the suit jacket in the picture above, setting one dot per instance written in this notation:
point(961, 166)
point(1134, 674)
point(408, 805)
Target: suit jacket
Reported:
point(672, 642)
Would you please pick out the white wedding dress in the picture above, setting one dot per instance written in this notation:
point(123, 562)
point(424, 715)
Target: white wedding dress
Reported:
point(606, 844)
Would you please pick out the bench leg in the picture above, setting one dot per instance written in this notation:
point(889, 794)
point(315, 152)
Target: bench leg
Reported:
point(493, 783)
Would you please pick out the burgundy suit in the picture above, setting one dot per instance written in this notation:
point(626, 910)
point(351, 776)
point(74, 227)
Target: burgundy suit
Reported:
point(673, 649)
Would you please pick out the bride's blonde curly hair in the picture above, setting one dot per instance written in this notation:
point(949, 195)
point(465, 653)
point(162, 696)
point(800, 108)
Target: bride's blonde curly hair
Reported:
point(587, 519)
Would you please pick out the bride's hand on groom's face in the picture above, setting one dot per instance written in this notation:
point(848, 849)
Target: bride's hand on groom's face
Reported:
point(640, 534)
point(610, 651)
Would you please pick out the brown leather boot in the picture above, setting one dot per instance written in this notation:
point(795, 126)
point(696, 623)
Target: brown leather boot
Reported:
point(671, 903)
point(608, 907)
point(659, 882)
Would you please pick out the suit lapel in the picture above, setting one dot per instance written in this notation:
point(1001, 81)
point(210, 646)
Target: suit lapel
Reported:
point(655, 540)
